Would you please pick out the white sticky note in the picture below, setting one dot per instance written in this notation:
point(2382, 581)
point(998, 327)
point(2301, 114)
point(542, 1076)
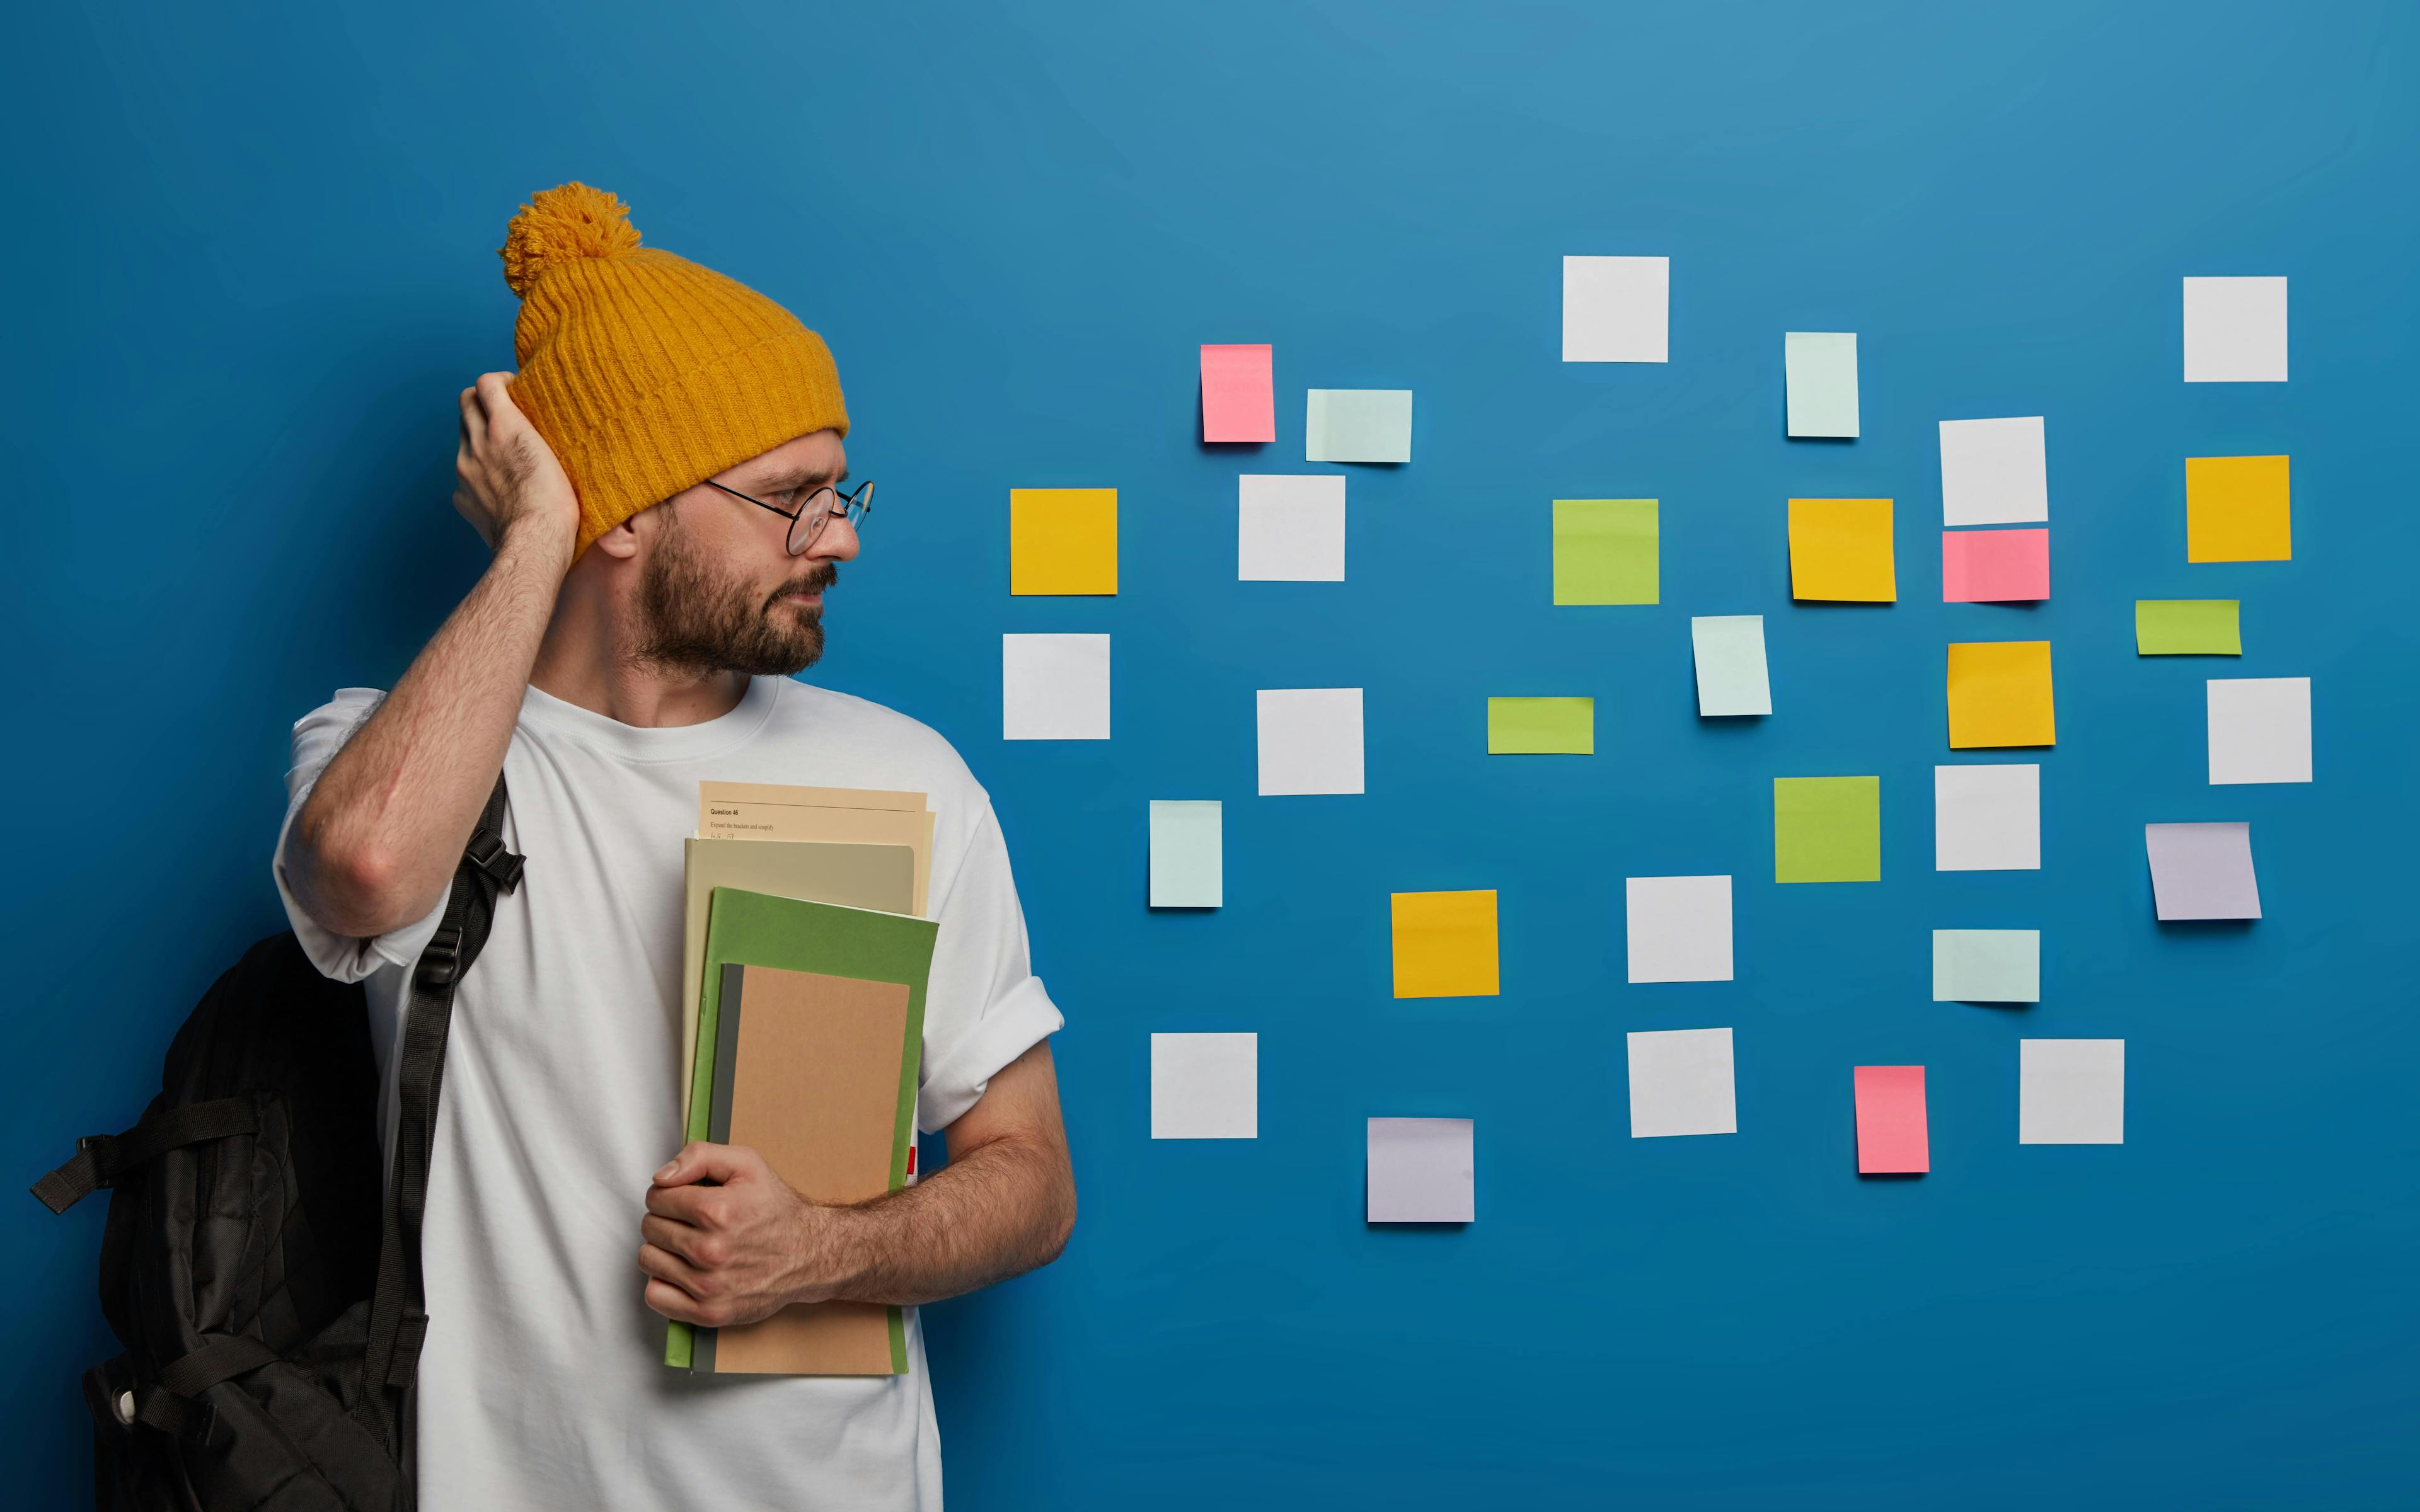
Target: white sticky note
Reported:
point(1310, 739)
point(1729, 653)
point(1054, 686)
point(1205, 1087)
point(2070, 1091)
point(2260, 729)
point(1187, 853)
point(1358, 426)
point(1679, 928)
point(1290, 527)
point(1681, 1083)
point(1987, 965)
point(1819, 381)
point(1987, 817)
point(1616, 309)
point(1423, 1171)
point(1994, 471)
point(2235, 331)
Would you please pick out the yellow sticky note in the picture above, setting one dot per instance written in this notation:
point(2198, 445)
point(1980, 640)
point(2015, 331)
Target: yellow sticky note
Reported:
point(1444, 943)
point(1999, 694)
point(1840, 549)
point(1063, 540)
point(2236, 510)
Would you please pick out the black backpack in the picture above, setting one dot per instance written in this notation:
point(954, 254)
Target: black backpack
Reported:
point(270, 1302)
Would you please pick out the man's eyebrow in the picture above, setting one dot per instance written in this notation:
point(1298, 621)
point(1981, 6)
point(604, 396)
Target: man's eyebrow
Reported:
point(795, 477)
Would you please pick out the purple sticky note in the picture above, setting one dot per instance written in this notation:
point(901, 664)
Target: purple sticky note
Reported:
point(2203, 870)
point(1420, 1171)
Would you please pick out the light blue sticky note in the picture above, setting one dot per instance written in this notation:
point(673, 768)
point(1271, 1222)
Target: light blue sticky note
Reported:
point(1187, 867)
point(1821, 368)
point(1730, 649)
point(1987, 965)
point(1358, 426)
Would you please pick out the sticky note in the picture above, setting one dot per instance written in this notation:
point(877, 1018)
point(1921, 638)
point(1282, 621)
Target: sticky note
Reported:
point(1994, 472)
point(1054, 686)
point(1987, 965)
point(1541, 727)
point(1679, 928)
point(2070, 1091)
point(1205, 1087)
point(1187, 853)
point(1999, 694)
point(1423, 1171)
point(1819, 370)
point(1729, 653)
point(1616, 309)
point(2202, 871)
point(1310, 739)
point(1681, 1083)
point(1444, 943)
point(1827, 829)
point(1994, 567)
point(1358, 426)
point(1290, 527)
point(2235, 331)
point(1987, 818)
point(1891, 1137)
point(2260, 729)
point(1063, 540)
point(1238, 399)
point(2238, 509)
point(1841, 550)
point(1605, 550)
point(2187, 628)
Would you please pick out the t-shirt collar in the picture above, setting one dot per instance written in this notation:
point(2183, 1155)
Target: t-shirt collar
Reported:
point(662, 743)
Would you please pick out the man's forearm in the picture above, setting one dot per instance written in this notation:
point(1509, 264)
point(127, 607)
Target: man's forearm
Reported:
point(377, 841)
point(999, 1211)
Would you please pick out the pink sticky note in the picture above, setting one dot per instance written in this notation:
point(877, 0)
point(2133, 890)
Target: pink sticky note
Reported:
point(1890, 1122)
point(1994, 567)
point(1238, 400)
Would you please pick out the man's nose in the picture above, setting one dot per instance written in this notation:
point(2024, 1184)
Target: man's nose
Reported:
point(836, 542)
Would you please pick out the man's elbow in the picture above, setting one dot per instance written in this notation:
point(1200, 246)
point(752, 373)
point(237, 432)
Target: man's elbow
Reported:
point(1061, 1225)
point(355, 892)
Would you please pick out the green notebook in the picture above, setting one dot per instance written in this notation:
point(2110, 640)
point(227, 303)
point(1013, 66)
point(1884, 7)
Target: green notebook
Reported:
point(757, 929)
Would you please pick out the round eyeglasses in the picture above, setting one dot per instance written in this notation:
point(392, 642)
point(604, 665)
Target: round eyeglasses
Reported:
point(808, 522)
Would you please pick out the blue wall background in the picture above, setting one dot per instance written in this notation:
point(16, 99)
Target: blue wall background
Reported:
point(253, 259)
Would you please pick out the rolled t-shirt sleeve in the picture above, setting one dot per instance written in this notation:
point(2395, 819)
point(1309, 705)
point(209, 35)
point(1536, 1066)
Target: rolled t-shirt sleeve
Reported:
point(983, 1006)
point(317, 736)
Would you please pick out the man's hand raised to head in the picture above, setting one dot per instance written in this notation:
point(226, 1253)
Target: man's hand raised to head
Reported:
point(504, 471)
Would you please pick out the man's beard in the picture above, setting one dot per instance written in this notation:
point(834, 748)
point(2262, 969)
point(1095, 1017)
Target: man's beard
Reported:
point(698, 620)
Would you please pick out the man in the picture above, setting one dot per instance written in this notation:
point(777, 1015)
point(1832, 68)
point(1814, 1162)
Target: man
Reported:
point(671, 439)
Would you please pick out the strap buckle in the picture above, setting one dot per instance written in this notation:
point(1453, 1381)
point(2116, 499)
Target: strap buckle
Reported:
point(440, 959)
point(487, 852)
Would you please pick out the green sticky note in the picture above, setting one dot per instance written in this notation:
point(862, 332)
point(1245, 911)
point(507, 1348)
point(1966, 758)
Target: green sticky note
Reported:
point(1987, 965)
point(1187, 859)
point(1541, 727)
point(1605, 550)
point(1820, 369)
point(1827, 829)
point(1358, 426)
point(2187, 628)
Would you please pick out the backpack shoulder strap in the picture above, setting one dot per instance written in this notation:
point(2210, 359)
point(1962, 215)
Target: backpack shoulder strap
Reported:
point(398, 1320)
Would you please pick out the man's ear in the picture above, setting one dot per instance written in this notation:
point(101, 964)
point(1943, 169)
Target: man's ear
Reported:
point(622, 541)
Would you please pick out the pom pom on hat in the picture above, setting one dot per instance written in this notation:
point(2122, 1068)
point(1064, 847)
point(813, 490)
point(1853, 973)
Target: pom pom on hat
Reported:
point(563, 225)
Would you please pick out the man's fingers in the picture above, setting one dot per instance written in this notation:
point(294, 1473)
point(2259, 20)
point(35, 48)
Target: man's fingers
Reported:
point(703, 1161)
point(677, 1304)
point(664, 1265)
point(690, 1242)
point(699, 1206)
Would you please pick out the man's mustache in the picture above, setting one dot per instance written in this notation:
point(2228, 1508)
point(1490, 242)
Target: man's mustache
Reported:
point(816, 582)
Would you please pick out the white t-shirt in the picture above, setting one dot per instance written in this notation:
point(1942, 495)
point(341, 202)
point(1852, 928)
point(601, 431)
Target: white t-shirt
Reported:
point(542, 1381)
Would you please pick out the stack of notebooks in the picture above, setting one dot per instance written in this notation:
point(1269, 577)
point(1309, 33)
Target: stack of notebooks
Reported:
point(802, 1019)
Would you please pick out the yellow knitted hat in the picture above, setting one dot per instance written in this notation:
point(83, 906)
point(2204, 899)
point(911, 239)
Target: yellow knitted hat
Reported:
point(645, 372)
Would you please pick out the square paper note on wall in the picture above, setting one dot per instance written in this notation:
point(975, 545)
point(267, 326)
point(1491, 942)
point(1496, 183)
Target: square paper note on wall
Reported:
point(1679, 928)
point(2235, 331)
point(1423, 1171)
point(1987, 818)
point(1444, 943)
point(2000, 694)
point(1187, 853)
point(2260, 729)
point(2070, 1091)
point(1994, 472)
point(1054, 686)
point(1310, 739)
point(1290, 527)
point(1840, 551)
point(1205, 1087)
point(2238, 509)
point(1681, 1083)
point(1616, 309)
point(1063, 540)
